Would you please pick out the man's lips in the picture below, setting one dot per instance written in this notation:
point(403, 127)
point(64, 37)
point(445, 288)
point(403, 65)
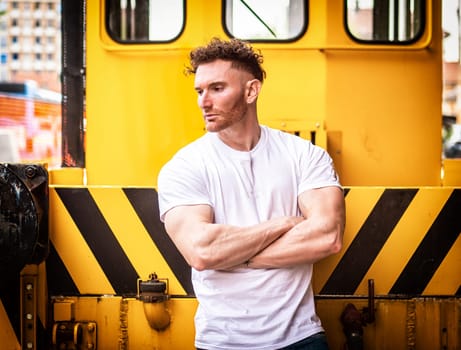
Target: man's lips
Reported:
point(210, 116)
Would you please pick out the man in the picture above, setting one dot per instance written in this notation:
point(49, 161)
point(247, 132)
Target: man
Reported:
point(251, 209)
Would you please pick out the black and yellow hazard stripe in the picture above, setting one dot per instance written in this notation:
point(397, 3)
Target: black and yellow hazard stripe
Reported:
point(103, 239)
point(106, 238)
point(407, 240)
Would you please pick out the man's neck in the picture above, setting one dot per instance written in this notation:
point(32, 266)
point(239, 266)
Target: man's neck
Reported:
point(243, 138)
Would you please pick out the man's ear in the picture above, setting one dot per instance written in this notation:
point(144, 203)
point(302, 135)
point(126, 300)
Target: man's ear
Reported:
point(253, 87)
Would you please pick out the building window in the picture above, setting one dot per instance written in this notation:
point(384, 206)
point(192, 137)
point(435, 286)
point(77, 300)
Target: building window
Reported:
point(145, 20)
point(27, 22)
point(389, 21)
point(265, 20)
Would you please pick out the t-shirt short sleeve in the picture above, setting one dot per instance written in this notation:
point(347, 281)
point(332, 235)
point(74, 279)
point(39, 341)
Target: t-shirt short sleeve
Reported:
point(180, 182)
point(317, 170)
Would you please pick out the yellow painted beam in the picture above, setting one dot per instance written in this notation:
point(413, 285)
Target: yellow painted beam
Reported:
point(132, 236)
point(359, 203)
point(447, 278)
point(7, 335)
point(404, 240)
point(74, 251)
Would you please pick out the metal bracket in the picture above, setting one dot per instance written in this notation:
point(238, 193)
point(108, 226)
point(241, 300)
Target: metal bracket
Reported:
point(74, 335)
point(28, 288)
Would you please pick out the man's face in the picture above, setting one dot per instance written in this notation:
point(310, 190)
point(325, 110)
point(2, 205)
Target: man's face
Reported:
point(221, 94)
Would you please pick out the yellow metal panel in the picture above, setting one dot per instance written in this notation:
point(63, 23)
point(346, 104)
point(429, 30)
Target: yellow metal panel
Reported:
point(452, 172)
point(388, 332)
point(389, 233)
point(419, 324)
point(64, 311)
point(373, 94)
point(359, 203)
point(121, 323)
point(356, 107)
point(430, 313)
point(106, 312)
point(74, 251)
point(133, 126)
point(7, 335)
point(132, 235)
point(392, 312)
point(132, 122)
point(448, 275)
point(301, 105)
point(404, 239)
point(179, 335)
point(67, 176)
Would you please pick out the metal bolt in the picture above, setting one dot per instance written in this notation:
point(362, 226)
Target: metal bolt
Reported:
point(30, 172)
point(90, 327)
point(29, 316)
point(29, 286)
point(30, 345)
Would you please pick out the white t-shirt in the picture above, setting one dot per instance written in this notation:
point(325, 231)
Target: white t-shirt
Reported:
point(248, 308)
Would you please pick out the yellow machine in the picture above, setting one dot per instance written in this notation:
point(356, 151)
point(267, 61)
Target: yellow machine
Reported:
point(363, 81)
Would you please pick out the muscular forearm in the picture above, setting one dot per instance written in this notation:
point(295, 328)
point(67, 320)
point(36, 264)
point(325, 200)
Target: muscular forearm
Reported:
point(223, 246)
point(307, 242)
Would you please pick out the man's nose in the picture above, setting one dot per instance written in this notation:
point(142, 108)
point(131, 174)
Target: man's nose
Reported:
point(204, 100)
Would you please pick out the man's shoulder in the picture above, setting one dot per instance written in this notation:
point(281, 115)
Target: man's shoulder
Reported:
point(186, 160)
point(194, 147)
point(285, 137)
point(188, 156)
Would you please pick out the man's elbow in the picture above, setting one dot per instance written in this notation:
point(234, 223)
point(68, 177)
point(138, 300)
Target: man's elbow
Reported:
point(336, 246)
point(332, 238)
point(198, 265)
point(336, 241)
point(201, 260)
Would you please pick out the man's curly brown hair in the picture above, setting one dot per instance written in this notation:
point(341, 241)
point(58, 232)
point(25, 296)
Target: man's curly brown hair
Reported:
point(239, 52)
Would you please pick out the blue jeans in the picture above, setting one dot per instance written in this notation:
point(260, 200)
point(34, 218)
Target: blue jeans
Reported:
point(316, 341)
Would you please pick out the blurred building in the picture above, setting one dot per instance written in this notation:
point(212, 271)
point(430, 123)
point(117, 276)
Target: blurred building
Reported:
point(30, 42)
